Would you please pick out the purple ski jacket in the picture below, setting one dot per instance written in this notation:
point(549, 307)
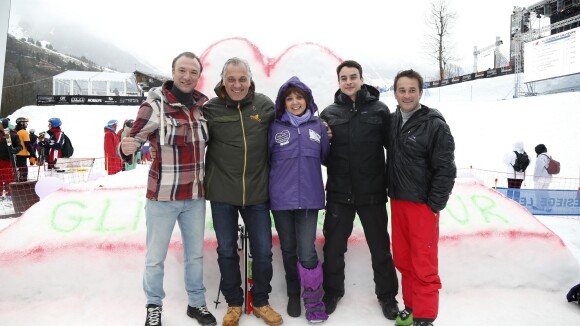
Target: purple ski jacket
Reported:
point(296, 155)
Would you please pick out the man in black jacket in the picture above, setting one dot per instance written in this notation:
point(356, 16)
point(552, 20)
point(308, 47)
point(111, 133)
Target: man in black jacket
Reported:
point(421, 174)
point(357, 184)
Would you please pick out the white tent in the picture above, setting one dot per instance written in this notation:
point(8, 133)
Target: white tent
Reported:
point(94, 83)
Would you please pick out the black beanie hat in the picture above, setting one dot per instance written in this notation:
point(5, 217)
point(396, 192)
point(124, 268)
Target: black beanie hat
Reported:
point(541, 148)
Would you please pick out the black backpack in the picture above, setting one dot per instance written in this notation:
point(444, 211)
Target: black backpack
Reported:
point(67, 147)
point(522, 162)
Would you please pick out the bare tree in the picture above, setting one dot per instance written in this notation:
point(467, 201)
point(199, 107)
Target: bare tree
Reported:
point(440, 20)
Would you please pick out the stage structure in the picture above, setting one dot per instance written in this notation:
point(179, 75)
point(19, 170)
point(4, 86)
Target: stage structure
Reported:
point(95, 83)
point(540, 20)
point(486, 58)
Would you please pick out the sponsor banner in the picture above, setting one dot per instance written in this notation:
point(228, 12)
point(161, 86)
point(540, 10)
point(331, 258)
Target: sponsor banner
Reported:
point(88, 100)
point(491, 73)
point(467, 77)
point(456, 79)
point(480, 74)
point(45, 100)
point(546, 201)
point(506, 69)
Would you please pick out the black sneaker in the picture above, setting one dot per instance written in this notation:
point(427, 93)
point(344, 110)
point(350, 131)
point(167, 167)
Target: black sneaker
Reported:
point(422, 323)
point(153, 315)
point(294, 308)
point(330, 302)
point(202, 315)
point(390, 308)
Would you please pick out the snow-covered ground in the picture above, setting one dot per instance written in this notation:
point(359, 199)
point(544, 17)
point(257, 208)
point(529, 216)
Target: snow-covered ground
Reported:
point(76, 257)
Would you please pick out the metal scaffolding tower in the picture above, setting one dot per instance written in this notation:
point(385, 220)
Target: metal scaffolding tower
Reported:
point(519, 38)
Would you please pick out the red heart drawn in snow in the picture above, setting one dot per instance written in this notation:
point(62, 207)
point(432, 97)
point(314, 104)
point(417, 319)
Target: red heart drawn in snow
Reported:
point(314, 64)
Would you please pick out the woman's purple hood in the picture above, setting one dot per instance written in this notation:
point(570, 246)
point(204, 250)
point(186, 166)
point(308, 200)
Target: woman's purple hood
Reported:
point(296, 82)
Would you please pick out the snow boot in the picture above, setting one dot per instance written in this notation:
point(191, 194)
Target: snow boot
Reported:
point(405, 317)
point(390, 308)
point(294, 308)
point(232, 316)
point(153, 315)
point(269, 315)
point(330, 302)
point(311, 281)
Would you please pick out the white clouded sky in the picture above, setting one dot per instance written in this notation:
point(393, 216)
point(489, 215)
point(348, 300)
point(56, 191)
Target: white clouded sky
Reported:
point(364, 30)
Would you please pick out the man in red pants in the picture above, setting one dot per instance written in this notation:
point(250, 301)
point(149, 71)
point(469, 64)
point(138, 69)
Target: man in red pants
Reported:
point(421, 173)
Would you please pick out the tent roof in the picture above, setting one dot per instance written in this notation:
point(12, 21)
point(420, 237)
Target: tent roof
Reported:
point(95, 75)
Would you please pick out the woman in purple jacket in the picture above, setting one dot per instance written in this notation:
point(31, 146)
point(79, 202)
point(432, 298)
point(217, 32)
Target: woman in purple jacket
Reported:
point(298, 145)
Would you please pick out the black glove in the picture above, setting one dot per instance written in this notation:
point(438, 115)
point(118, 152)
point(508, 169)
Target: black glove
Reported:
point(14, 150)
point(573, 294)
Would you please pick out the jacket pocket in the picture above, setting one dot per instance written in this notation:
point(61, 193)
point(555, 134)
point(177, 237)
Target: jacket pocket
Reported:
point(177, 131)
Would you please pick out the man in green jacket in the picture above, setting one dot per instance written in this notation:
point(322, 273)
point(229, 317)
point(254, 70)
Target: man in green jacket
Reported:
point(236, 182)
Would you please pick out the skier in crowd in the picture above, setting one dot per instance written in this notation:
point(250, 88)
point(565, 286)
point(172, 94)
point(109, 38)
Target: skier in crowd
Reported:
point(111, 141)
point(33, 140)
point(27, 153)
point(54, 142)
point(9, 146)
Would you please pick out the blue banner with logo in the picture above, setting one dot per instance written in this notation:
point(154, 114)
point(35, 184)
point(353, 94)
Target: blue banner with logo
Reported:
point(545, 201)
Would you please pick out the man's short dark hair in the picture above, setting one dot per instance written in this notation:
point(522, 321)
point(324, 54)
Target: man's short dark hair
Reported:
point(190, 55)
point(350, 64)
point(409, 74)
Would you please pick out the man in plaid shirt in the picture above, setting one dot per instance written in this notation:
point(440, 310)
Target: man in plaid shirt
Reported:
point(175, 190)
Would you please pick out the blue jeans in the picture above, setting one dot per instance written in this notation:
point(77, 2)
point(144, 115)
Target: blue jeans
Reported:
point(161, 217)
point(259, 226)
point(297, 233)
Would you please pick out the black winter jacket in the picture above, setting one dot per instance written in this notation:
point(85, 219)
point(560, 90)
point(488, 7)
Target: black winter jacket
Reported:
point(16, 145)
point(421, 164)
point(356, 162)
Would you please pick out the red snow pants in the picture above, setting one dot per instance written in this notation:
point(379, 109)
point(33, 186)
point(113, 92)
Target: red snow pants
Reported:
point(415, 234)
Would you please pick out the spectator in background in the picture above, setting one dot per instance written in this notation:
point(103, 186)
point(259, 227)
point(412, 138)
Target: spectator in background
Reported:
point(54, 141)
point(146, 153)
point(126, 132)
point(121, 130)
point(39, 146)
point(542, 178)
point(27, 152)
point(515, 174)
point(514, 178)
point(9, 146)
point(111, 141)
point(298, 144)
point(33, 139)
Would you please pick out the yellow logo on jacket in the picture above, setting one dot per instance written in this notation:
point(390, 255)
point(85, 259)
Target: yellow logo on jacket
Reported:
point(256, 117)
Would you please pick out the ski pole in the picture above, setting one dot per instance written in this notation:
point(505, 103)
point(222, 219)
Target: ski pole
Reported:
point(217, 300)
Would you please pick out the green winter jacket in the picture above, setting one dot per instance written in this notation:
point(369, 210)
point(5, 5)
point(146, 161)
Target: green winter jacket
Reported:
point(237, 165)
